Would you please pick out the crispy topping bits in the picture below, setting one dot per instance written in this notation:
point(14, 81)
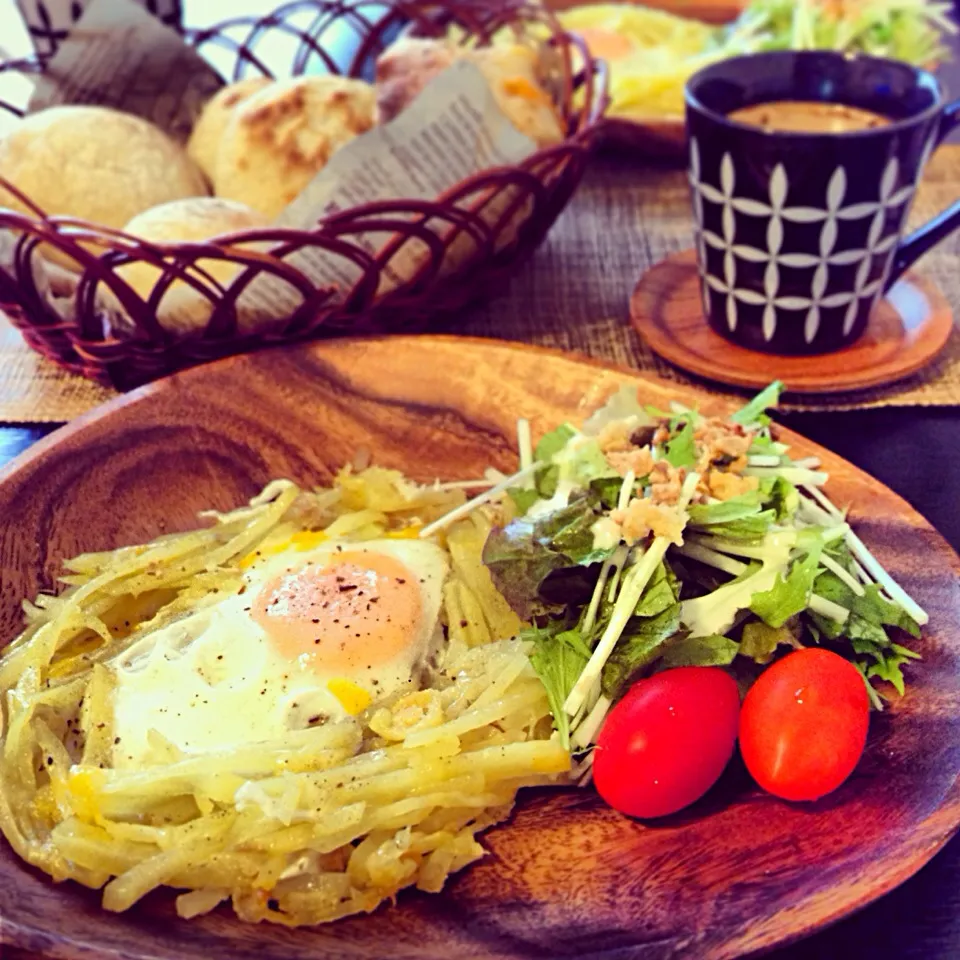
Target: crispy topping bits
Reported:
point(643, 517)
point(724, 486)
point(643, 436)
point(616, 437)
point(721, 448)
point(639, 461)
point(721, 443)
point(666, 483)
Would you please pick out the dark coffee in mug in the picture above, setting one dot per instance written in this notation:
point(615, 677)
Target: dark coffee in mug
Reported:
point(808, 116)
point(798, 225)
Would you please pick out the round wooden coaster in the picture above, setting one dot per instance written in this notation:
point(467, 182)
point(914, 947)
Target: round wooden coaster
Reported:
point(908, 329)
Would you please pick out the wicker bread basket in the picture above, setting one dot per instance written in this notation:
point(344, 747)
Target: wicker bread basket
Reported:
point(526, 198)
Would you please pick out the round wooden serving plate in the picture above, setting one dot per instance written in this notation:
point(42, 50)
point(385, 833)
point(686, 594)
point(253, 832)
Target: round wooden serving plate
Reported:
point(908, 329)
point(567, 876)
point(663, 139)
point(710, 11)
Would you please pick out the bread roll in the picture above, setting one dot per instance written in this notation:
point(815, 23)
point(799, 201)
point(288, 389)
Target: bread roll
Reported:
point(511, 70)
point(183, 308)
point(405, 68)
point(204, 144)
point(279, 139)
point(94, 163)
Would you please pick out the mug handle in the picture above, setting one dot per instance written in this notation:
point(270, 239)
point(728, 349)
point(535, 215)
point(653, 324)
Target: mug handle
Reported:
point(939, 228)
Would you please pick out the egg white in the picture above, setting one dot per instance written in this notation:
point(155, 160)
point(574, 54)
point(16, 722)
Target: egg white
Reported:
point(214, 679)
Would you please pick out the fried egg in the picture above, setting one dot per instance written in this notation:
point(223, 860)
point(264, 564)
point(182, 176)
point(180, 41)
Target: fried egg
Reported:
point(313, 635)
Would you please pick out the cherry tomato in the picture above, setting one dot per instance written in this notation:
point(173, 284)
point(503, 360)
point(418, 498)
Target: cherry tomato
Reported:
point(804, 724)
point(667, 741)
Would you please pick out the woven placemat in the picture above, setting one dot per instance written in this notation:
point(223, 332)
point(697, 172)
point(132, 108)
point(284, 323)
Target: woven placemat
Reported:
point(35, 390)
point(575, 293)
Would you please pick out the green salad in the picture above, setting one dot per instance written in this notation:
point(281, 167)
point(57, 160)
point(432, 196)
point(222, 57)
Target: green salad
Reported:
point(909, 30)
point(651, 539)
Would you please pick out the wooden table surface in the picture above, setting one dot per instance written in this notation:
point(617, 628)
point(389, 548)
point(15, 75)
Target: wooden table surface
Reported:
point(916, 452)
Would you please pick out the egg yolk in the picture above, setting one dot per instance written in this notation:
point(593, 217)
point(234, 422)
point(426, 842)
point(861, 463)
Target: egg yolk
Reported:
point(359, 611)
point(606, 44)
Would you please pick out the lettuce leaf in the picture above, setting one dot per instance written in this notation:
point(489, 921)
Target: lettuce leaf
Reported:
point(518, 565)
point(662, 592)
point(606, 490)
point(621, 405)
point(759, 641)
point(783, 499)
point(789, 596)
point(712, 651)
point(523, 498)
point(558, 659)
point(522, 555)
point(681, 451)
point(753, 412)
point(638, 647)
point(553, 442)
point(889, 666)
point(872, 606)
point(726, 511)
point(548, 477)
point(746, 528)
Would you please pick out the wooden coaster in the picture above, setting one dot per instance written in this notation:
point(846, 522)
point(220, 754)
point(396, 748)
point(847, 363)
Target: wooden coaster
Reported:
point(908, 329)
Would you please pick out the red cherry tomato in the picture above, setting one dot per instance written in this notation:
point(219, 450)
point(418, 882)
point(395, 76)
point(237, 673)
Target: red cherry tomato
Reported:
point(667, 741)
point(804, 724)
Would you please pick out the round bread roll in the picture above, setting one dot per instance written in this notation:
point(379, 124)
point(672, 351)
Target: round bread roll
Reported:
point(408, 65)
point(197, 219)
point(512, 72)
point(94, 163)
point(405, 68)
point(204, 143)
point(279, 139)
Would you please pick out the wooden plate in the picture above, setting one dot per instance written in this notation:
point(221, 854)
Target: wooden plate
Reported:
point(567, 877)
point(710, 11)
point(663, 139)
point(908, 329)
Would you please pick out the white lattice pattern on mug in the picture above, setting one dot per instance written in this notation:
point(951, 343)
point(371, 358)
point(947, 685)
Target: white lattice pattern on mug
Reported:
point(779, 214)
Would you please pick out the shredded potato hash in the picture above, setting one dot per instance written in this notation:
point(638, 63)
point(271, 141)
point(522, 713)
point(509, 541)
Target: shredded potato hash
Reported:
point(652, 53)
point(322, 823)
point(656, 54)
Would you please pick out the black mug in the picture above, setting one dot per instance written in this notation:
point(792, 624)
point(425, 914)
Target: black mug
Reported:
point(798, 234)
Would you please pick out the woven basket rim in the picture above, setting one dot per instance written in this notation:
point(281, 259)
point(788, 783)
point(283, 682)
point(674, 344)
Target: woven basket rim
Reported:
point(546, 178)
